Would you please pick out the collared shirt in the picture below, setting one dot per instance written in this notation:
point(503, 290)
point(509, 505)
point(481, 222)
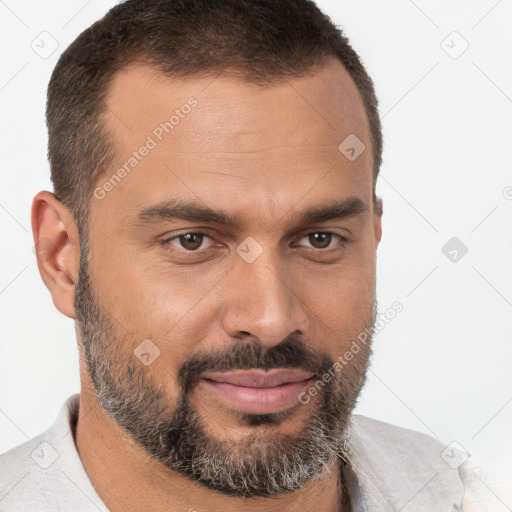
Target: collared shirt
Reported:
point(388, 469)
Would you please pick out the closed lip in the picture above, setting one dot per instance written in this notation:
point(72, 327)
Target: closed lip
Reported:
point(256, 378)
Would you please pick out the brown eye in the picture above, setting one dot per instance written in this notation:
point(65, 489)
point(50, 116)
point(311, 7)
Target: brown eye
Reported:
point(322, 239)
point(187, 241)
point(191, 241)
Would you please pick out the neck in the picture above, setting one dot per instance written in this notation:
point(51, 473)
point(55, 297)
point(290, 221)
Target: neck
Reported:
point(128, 479)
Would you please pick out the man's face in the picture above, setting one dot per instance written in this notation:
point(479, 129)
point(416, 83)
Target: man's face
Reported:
point(171, 305)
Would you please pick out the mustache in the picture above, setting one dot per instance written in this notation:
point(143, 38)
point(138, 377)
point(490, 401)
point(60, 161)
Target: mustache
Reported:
point(290, 353)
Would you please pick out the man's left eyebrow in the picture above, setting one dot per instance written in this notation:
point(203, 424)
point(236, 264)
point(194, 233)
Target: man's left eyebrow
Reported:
point(192, 212)
point(333, 210)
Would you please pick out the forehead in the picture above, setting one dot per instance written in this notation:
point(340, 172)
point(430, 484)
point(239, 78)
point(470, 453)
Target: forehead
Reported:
point(226, 140)
point(140, 96)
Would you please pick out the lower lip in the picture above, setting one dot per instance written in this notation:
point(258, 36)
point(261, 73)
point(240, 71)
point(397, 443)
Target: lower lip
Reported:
point(259, 400)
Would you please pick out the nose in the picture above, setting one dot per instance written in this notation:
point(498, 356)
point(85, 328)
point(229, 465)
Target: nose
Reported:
point(264, 300)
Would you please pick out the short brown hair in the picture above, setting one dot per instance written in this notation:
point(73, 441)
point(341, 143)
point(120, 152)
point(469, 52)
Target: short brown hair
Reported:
point(264, 41)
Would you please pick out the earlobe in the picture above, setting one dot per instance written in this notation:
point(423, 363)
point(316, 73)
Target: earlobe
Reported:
point(57, 249)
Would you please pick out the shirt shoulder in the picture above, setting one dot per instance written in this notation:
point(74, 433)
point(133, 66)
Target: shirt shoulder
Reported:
point(381, 436)
point(46, 472)
point(402, 469)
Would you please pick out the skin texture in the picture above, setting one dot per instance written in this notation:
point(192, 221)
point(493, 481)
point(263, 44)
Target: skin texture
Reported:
point(264, 154)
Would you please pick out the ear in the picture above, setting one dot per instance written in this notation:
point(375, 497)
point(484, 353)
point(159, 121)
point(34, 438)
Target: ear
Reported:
point(377, 220)
point(57, 248)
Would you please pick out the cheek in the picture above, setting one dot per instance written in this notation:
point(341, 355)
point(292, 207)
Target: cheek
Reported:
point(177, 310)
point(342, 312)
point(348, 285)
point(143, 290)
point(341, 301)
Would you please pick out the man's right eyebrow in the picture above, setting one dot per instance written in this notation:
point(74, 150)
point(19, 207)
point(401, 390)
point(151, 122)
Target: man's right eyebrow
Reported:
point(174, 209)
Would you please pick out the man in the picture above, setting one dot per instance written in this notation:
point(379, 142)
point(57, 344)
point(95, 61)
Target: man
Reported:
point(213, 233)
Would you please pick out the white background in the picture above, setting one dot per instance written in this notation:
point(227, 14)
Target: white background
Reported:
point(443, 365)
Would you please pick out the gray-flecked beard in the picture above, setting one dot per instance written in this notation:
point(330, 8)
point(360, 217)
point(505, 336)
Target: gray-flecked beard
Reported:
point(265, 463)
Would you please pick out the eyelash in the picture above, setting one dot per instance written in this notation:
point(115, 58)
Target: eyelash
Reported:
point(167, 241)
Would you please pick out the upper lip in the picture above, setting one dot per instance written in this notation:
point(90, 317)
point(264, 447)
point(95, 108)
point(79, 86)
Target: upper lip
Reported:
point(259, 378)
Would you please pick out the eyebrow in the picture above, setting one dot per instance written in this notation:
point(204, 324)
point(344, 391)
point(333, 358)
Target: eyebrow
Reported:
point(175, 209)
